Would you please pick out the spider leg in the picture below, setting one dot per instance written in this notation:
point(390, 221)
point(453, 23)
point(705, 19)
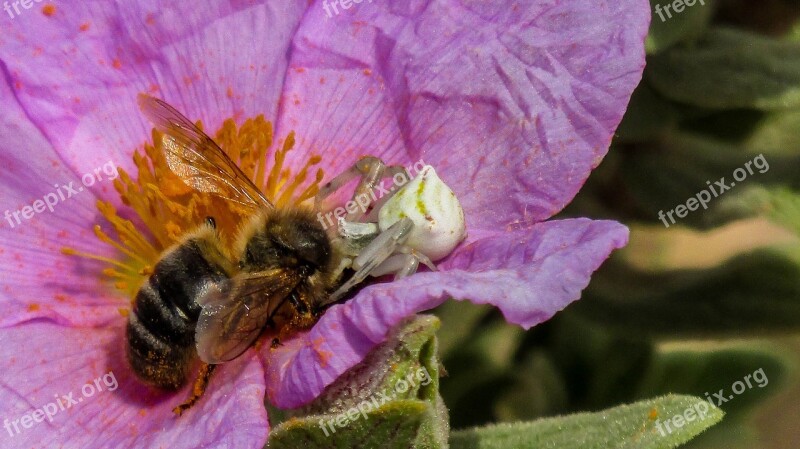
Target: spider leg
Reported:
point(371, 170)
point(374, 254)
point(404, 262)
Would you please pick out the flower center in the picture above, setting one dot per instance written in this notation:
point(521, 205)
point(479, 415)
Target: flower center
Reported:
point(167, 208)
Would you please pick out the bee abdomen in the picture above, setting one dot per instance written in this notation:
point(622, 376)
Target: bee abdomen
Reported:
point(155, 361)
point(160, 331)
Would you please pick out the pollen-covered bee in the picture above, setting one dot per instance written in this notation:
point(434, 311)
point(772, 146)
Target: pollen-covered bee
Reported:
point(203, 300)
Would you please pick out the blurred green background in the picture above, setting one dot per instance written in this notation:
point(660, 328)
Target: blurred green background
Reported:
point(692, 308)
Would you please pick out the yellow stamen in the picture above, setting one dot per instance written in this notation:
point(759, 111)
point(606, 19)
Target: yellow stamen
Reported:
point(98, 232)
point(299, 179)
point(273, 183)
point(73, 252)
point(110, 272)
point(312, 189)
point(167, 208)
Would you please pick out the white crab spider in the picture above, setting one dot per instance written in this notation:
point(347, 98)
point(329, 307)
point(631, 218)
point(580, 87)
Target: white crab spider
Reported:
point(421, 222)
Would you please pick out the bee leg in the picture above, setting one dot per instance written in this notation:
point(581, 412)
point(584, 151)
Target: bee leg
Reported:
point(374, 254)
point(303, 319)
point(200, 385)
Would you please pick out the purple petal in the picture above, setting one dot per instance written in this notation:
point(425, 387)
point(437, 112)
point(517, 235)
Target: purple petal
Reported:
point(528, 274)
point(514, 103)
point(72, 109)
point(39, 281)
point(43, 361)
point(77, 72)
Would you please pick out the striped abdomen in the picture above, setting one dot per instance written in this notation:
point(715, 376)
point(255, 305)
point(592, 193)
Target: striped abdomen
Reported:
point(160, 334)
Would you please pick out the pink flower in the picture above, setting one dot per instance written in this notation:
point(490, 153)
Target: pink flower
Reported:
point(513, 103)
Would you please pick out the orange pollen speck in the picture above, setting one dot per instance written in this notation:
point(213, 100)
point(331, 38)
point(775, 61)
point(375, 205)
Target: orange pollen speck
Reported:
point(49, 10)
point(168, 208)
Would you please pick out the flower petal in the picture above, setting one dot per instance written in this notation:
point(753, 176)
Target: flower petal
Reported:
point(528, 274)
point(513, 103)
point(45, 362)
point(39, 281)
point(77, 71)
point(59, 123)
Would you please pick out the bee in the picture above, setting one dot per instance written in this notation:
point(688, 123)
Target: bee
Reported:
point(285, 268)
point(197, 301)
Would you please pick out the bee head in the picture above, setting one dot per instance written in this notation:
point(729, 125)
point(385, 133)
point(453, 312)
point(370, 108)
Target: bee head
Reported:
point(292, 241)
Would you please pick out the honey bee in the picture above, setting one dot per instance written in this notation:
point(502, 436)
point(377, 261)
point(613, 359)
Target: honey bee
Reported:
point(202, 301)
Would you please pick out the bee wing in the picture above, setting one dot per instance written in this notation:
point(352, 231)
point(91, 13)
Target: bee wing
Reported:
point(197, 159)
point(235, 312)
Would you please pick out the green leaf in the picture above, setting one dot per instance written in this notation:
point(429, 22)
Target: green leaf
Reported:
point(390, 400)
point(480, 368)
point(683, 166)
point(776, 134)
point(742, 373)
point(392, 426)
point(647, 116)
point(780, 205)
point(537, 388)
point(633, 426)
point(730, 69)
point(601, 364)
point(677, 27)
point(754, 294)
point(459, 320)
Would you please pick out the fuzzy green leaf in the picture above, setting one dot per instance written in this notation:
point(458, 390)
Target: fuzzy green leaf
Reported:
point(780, 205)
point(390, 400)
point(730, 69)
point(392, 426)
point(753, 294)
point(736, 376)
point(669, 27)
point(634, 426)
point(685, 165)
